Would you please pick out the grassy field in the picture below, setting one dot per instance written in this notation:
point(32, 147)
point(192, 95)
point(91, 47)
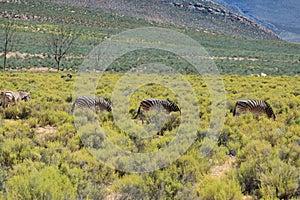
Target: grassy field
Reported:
point(44, 156)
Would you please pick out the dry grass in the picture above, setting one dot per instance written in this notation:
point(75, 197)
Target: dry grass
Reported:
point(45, 131)
point(220, 170)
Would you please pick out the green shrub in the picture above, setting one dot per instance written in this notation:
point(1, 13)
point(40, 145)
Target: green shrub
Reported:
point(253, 159)
point(212, 188)
point(11, 112)
point(46, 183)
point(279, 180)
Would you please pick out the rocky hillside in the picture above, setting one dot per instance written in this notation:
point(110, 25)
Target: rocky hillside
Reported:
point(202, 15)
point(282, 17)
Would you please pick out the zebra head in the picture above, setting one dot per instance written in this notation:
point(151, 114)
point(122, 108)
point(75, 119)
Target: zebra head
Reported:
point(269, 111)
point(274, 117)
point(173, 107)
point(103, 104)
point(109, 104)
point(24, 95)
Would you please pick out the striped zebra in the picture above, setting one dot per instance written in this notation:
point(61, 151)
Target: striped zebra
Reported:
point(258, 107)
point(151, 103)
point(66, 76)
point(92, 103)
point(9, 97)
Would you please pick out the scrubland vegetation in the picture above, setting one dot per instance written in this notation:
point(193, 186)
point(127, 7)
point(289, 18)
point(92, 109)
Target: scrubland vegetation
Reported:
point(43, 156)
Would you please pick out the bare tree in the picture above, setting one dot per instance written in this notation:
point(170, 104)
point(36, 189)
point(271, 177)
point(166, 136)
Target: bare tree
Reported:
point(9, 34)
point(61, 42)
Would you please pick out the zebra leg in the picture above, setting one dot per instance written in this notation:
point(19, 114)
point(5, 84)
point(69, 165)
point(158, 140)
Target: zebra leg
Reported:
point(5, 103)
point(73, 107)
point(3, 100)
point(234, 110)
point(137, 114)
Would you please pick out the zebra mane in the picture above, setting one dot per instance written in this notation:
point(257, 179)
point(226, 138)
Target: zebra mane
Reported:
point(168, 100)
point(171, 102)
point(108, 101)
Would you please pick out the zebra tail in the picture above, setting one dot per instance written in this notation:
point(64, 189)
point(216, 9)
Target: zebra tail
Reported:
point(137, 114)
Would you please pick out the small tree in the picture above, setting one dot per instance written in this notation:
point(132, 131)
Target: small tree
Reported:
point(9, 34)
point(60, 43)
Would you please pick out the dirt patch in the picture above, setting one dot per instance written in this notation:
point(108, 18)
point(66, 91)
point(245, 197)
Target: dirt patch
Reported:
point(114, 196)
point(42, 69)
point(219, 170)
point(38, 69)
point(39, 55)
point(23, 55)
point(44, 131)
point(248, 197)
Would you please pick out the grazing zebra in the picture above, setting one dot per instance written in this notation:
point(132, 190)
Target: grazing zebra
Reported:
point(150, 103)
point(12, 98)
point(92, 103)
point(258, 107)
point(67, 76)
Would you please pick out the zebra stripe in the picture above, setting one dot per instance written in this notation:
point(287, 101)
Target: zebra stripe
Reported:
point(258, 107)
point(92, 103)
point(151, 103)
point(9, 97)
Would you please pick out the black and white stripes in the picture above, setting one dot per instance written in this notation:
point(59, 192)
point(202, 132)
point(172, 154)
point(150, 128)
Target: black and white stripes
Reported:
point(9, 97)
point(257, 107)
point(92, 103)
point(151, 103)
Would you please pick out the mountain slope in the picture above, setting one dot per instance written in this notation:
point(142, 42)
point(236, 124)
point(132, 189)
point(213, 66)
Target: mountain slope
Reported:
point(203, 15)
point(282, 17)
point(36, 19)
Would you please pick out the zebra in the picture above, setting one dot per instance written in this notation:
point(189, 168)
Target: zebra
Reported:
point(67, 76)
point(258, 107)
point(92, 103)
point(9, 97)
point(151, 103)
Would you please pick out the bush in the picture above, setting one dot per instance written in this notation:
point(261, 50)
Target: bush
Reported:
point(46, 183)
point(212, 188)
point(279, 180)
point(253, 159)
